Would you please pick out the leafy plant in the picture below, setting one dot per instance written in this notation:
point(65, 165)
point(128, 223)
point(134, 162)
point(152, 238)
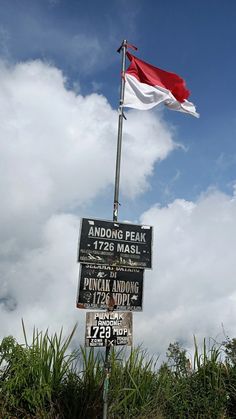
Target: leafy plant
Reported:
point(32, 375)
point(44, 379)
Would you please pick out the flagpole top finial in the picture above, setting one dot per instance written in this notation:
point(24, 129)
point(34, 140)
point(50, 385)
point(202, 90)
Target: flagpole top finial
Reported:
point(124, 44)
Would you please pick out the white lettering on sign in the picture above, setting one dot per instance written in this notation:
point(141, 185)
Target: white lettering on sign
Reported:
point(100, 245)
point(121, 340)
point(126, 248)
point(121, 299)
point(120, 332)
point(116, 234)
point(135, 236)
point(97, 284)
point(108, 322)
point(123, 286)
point(107, 233)
point(108, 316)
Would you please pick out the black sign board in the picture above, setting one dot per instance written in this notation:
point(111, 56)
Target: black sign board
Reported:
point(101, 285)
point(115, 244)
point(108, 329)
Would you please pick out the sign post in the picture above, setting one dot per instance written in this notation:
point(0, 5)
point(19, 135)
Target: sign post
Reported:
point(123, 48)
point(113, 257)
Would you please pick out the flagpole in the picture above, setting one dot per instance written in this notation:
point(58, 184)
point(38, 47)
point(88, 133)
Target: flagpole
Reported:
point(123, 48)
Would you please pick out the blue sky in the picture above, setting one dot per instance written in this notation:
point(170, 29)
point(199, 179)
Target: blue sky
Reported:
point(172, 163)
point(192, 39)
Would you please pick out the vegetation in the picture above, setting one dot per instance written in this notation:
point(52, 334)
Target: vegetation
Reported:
point(44, 379)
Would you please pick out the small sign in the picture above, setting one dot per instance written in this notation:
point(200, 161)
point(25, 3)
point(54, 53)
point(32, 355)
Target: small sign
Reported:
point(115, 244)
point(108, 329)
point(100, 285)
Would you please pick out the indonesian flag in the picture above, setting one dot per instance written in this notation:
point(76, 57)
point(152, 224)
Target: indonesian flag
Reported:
point(146, 86)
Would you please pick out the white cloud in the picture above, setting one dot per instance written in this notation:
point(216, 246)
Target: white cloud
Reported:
point(146, 140)
point(57, 153)
point(41, 284)
point(58, 148)
point(191, 289)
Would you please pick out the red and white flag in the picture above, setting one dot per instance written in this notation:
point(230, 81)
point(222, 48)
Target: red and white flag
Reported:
point(146, 86)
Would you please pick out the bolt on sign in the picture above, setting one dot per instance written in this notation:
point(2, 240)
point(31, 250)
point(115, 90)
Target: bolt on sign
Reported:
point(115, 244)
point(100, 283)
point(108, 328)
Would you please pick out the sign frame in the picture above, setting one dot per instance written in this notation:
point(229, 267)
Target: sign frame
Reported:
point(115, 244)
point(108, 329)
point(99, 283)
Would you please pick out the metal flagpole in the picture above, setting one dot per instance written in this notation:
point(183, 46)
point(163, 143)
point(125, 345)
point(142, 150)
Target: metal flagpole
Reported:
point(122, 49)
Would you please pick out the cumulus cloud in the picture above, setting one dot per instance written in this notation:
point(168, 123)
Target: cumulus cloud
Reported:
point(191, 289)
point(58, 148)
point(57, 154)
point(146, 140)
point(40, 285)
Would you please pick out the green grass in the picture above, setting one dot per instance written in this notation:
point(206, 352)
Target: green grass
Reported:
point(44, 379)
